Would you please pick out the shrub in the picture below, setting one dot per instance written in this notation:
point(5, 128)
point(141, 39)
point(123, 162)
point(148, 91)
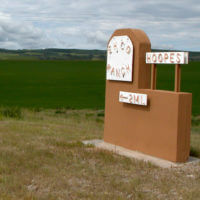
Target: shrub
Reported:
point(195, 120)
point(100, 114)
point(194, 152)
point(11, 112)
point(60, 111)
point(37, 109)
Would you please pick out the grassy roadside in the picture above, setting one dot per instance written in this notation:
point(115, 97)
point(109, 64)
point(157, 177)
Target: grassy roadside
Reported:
point(42, 157)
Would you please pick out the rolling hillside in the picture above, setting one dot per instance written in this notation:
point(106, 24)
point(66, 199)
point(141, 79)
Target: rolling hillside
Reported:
point(65, 54)
point(52, 54)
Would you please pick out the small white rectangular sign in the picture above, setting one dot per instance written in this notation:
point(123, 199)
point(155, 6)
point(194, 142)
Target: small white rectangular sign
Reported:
point(133, 98)
point(167, 57)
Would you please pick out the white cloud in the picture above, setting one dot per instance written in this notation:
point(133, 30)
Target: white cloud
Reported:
point(89, 24)
point(17, 35)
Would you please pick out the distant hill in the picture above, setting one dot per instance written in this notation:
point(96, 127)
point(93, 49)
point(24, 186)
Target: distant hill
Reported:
point(52, 54)
point(65, 54)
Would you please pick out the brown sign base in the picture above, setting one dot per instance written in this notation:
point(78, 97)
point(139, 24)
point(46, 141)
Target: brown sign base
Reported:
point(161, 129)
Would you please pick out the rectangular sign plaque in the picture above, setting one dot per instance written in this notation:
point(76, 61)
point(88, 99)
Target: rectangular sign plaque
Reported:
point(167, 57)
point(119, 59)
point(133, 98)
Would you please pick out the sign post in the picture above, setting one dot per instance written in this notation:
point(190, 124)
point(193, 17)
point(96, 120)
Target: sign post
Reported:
point(153, 76)
point(177, 78)
point(176, 58)
point(137, 116)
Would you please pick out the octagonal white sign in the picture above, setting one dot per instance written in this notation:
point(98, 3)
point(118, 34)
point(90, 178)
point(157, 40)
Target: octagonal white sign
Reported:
point(119, 59)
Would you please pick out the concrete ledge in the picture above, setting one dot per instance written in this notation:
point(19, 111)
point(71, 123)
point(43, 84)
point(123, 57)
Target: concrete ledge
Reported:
point(139, 156)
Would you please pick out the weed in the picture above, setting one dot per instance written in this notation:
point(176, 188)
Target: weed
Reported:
point(37, 109)
point(98, 120)
point(194, 152)
point(11, 112)
point(88, 115)
point(60, 111)
point(195, 120)
point(100, 114)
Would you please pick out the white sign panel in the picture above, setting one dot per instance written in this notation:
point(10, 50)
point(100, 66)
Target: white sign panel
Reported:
point(133, 98)
point(119, 59)
point(167, 57)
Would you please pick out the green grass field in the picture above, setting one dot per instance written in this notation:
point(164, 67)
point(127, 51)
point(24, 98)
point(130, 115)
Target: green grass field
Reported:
point(75, 84)
point(52, 84)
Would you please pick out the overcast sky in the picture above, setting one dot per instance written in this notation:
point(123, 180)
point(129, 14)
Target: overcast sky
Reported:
point(88, 24)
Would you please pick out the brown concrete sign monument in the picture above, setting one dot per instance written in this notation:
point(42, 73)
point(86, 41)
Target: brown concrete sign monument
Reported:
point(137, 116)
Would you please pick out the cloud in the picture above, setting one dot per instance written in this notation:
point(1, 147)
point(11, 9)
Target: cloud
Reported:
point(89, 24)
point(18, 35)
